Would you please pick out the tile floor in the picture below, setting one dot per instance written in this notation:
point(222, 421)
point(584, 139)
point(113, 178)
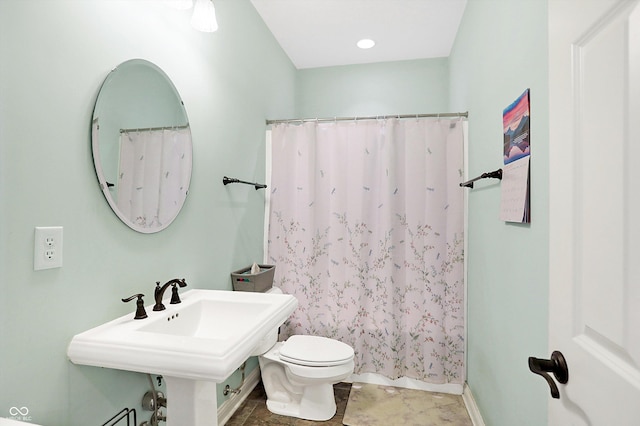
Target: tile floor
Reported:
point(378, 405)
point(254, 412)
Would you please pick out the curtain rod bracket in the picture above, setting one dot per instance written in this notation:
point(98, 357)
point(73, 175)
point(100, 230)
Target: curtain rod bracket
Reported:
point(496, 174)
point(227, 180)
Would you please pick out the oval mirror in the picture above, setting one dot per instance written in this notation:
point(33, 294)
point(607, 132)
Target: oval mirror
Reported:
point(141, 143)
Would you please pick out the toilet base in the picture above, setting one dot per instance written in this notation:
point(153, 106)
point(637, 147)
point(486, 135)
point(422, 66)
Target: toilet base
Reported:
point(317, 403)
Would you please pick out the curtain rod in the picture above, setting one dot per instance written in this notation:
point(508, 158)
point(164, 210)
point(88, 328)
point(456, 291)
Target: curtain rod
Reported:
point(376, 117)
point(151, 129)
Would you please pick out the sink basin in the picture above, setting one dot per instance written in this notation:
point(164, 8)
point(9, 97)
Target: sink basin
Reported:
point(211, 319)
point(194, 344)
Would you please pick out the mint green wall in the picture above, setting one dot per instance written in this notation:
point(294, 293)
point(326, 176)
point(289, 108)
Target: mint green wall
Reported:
point(500, 51)
point(54, 57)
point(403, 87)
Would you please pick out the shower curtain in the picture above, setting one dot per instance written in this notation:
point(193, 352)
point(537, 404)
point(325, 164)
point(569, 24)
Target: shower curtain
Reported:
point(366, 230)
point(147, 158)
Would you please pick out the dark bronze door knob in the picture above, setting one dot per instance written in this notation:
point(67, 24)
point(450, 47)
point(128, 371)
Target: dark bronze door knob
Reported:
point(556, 365)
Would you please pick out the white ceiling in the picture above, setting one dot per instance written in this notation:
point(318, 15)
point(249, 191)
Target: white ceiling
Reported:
point(320, 33)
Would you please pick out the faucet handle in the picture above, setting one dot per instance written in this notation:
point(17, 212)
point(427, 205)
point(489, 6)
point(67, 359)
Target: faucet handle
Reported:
point(175, 297)
point(158, 293)
point(140, 312)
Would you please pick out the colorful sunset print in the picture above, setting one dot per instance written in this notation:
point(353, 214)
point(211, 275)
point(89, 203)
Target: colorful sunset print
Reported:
point(515, 122)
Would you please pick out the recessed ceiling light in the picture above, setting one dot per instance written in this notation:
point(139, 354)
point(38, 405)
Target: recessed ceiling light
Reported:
point(366, 43)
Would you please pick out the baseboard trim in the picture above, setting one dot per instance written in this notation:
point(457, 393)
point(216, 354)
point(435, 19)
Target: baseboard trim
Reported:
point(472, 407)
point(226, 410)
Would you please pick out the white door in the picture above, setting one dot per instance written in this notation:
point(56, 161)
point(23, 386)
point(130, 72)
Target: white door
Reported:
point(594, 318)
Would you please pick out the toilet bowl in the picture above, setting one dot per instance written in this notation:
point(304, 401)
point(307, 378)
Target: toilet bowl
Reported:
point(298, 375)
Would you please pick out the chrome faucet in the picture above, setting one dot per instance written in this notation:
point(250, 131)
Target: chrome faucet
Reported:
point(159, 293)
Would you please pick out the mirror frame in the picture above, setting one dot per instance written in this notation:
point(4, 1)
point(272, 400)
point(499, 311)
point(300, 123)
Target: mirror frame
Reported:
point(95, 146)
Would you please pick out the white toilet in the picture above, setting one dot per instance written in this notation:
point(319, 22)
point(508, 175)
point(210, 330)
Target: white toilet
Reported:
point(298, 375)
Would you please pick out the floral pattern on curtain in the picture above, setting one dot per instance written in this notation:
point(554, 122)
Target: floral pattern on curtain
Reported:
point(366, 230)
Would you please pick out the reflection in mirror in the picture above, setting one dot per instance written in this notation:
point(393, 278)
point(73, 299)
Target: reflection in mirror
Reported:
point(141, 143)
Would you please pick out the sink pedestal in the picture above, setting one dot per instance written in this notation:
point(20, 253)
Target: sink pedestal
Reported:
point(191, 402)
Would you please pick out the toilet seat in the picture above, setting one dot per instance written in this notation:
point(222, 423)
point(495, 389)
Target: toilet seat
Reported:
point(315, 351)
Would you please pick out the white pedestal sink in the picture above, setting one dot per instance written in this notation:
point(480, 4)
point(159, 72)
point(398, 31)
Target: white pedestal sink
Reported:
point(193, 345)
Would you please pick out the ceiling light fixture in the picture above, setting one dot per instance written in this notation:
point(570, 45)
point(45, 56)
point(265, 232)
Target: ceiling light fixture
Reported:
point(204, 16)
point(366, 43)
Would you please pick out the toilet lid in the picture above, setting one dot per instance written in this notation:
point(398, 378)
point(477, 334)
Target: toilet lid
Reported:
point(315, 351)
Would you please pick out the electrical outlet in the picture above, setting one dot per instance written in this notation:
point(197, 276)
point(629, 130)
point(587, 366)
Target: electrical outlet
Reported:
point(47, 247)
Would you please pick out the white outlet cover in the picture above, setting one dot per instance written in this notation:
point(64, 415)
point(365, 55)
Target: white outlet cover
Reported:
point(47, 247)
